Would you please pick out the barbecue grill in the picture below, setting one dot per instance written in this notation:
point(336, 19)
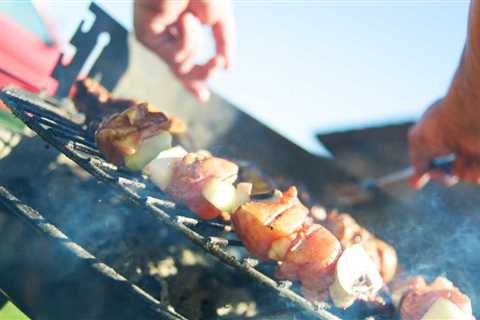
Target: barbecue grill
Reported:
point(387, 217)
point(43, 117)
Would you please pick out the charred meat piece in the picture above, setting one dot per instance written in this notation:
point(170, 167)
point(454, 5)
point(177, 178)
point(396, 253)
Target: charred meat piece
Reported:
point(349, 232)
point(438, 300)
point(133, 138)
point(192, 174)
point(268, 227)
point(312, 260)
point(188, 176)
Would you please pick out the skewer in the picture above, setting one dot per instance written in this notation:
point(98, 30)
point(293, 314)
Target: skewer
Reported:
point(444, 164)
point(364, 191)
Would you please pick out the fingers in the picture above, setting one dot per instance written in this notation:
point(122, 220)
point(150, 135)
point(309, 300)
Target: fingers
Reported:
point(418, 181)
point(224, 35)
point(173, 30)
point(194, 77)
point(189, 44)
point(155, 25)
point(196, 80)
point(156, 16)
point(426, 142)
point(186, 26)
point(468, 169)
point(219, 16)
point(419, 157)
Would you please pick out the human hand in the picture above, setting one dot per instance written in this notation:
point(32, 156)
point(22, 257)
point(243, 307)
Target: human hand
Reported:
point(173, 30)
point(452, 125)
point(444, 129)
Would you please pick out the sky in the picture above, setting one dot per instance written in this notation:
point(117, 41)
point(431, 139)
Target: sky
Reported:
point(305, 67)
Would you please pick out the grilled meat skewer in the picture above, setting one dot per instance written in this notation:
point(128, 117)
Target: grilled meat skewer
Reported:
point(349, 232)
point(281, 229)
point(278, 228)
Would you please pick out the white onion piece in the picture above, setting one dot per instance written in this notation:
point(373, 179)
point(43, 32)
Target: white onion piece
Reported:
point(220, 193)
point(161, 169)
point(175, 152)
point(242, 194)
point(148, 150)
point(444, 309)
point(279, 248)
point(356, 277)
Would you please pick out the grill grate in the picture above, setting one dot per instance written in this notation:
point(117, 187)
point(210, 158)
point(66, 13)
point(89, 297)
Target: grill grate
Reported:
point(73, 141)
point(25, 228)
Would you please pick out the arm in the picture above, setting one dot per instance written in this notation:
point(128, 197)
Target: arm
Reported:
point(452, 124)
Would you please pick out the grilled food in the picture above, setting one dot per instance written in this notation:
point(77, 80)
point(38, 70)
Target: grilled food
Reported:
point(200, 181)
point(336, 259)
point(133, 138)
point(280, 229)
point(130, 133)
point(440, 299)
point(350, 233)
point(96, 102)
point(267, 227)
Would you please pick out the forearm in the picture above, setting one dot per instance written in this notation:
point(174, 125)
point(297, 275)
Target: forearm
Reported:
point(464, 92)
point(452, 125)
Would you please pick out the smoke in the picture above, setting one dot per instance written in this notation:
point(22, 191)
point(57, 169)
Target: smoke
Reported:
point(441, 237)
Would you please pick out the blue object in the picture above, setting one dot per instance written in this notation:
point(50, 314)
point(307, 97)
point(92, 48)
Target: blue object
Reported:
point(444, 163)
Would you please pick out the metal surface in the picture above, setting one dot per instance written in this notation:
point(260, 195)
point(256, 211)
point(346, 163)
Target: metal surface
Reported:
point(101, 51)
point(49, 276)
point(72, 140)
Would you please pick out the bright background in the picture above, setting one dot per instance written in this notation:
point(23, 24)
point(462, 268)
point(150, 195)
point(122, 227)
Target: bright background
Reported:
point(305, 67)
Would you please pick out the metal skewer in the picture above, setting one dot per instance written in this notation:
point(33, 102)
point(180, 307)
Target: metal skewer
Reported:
point(444, 164)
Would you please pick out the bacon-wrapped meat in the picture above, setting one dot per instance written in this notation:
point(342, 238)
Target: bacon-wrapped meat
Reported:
point(438, 300)
point(280, 229)
point(267, 228)
point(349, 232)
point(96, 102)
point(312, 260)
point(133, 138)
point(200, 181)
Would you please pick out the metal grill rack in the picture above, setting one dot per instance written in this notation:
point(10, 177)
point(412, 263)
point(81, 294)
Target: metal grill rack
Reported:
point(83, 287)
point(42, 116)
